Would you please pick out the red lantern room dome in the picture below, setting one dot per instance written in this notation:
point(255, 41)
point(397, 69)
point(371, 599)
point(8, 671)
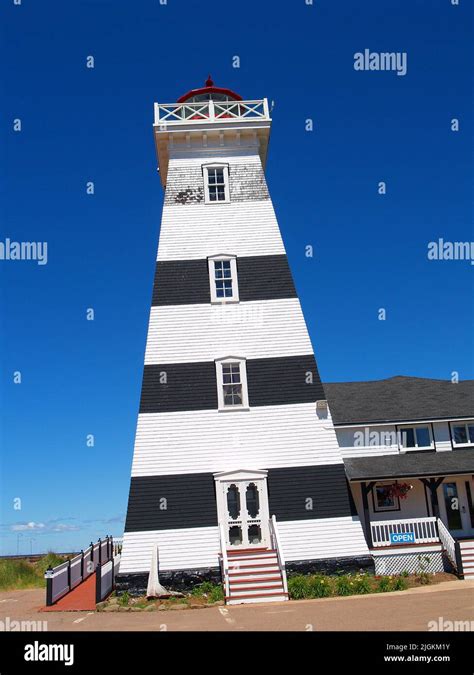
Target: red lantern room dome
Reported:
point(208, 92)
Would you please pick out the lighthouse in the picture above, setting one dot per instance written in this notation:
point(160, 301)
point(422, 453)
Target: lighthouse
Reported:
point(237, 476)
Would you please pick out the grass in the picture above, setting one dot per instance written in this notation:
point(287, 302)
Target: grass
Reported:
point(19, 573)
point(211, 592)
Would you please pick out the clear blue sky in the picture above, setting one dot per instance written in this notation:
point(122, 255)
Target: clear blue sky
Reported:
point(78, 125)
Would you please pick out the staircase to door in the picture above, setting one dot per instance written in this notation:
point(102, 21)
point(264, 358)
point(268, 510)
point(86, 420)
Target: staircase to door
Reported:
point(252, 563)
point(467, 557)
point(254, 575)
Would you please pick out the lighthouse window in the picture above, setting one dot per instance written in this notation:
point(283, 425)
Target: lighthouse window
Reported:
point(223, 279)
point(216, 183)
point(232, 384)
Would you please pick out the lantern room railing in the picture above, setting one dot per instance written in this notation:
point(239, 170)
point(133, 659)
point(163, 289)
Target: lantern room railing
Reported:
point(210, 111)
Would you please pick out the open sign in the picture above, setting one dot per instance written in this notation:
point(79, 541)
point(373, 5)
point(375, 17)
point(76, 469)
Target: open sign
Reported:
point(402, 537)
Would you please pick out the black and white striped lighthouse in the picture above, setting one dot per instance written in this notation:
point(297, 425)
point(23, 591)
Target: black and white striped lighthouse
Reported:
point(236, 469)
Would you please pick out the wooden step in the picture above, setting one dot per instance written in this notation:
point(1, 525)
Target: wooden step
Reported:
point(256, 565)
point(263, 555)
point(279, 594)
point(259, 579)
point(238, 551)
point(258, 588)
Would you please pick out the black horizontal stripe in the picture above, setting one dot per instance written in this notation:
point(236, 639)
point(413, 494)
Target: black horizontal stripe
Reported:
point(266, 277)
point(283, 380)
point(303, 493)
point(190, 499)
point(193, 386)
point(169, 502)
point(182, 282)
point(179, 386)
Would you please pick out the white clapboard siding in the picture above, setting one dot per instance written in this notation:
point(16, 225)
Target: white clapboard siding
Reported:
point(246, 156)
point(322, 538)
point(209, 441)
point(196, 231)
point(192, 333)
point(184, 548)
point(192, 548)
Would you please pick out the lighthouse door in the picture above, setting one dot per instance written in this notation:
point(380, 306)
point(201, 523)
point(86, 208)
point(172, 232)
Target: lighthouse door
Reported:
point(242, 504)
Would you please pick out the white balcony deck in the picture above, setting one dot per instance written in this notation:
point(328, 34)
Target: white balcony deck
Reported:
point(171, 114)
point(406, 531)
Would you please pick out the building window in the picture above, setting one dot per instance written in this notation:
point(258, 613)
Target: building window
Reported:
point(223, 278)
point(463, 433)
point(384, 498)
point(232, 384)
point(415, 438)
point(216, 183)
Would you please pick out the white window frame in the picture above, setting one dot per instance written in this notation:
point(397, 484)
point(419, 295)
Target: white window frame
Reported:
point(233, 277)
point(205, 172)
point(465, 424)
point(220, 383)
point(401, 429)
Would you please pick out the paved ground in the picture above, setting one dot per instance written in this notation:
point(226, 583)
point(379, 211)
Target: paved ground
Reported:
point(405, 610)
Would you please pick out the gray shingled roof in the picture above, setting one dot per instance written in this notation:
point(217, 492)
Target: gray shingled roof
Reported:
point(399, 399)
point(410, 465)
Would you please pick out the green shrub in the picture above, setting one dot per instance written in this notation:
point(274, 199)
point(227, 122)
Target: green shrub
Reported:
point(345, 585)
point(362, 584)
point(399, 584)
point(298, 587)
point(319, 586)
point(124, 599)
point(384, 585)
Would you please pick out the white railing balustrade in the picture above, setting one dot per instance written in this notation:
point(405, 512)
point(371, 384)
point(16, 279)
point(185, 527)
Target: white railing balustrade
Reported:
point(406, 531)
point(210, 111)
point(224, 560)
point(276, 545)
point(448, 542)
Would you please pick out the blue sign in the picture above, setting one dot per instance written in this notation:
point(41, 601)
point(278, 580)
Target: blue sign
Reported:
point(402, 537)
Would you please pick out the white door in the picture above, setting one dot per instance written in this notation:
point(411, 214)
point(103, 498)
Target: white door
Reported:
point(457, 506)
point(242, 504)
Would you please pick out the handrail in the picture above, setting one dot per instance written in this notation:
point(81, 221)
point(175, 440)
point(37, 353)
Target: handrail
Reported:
point(225, 561)
point(423, 529)
point(448, 541)
point(275, 536)
point(60, 581)
point(210, 111)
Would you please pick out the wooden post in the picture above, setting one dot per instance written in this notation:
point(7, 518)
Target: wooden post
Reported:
point(69, 574)
point(113, 574)
point(98, 589)
point(49, 589)
point(365, 489)
point(100, 551)
point(459, 565)
point(433, 484)
point(82, 564)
